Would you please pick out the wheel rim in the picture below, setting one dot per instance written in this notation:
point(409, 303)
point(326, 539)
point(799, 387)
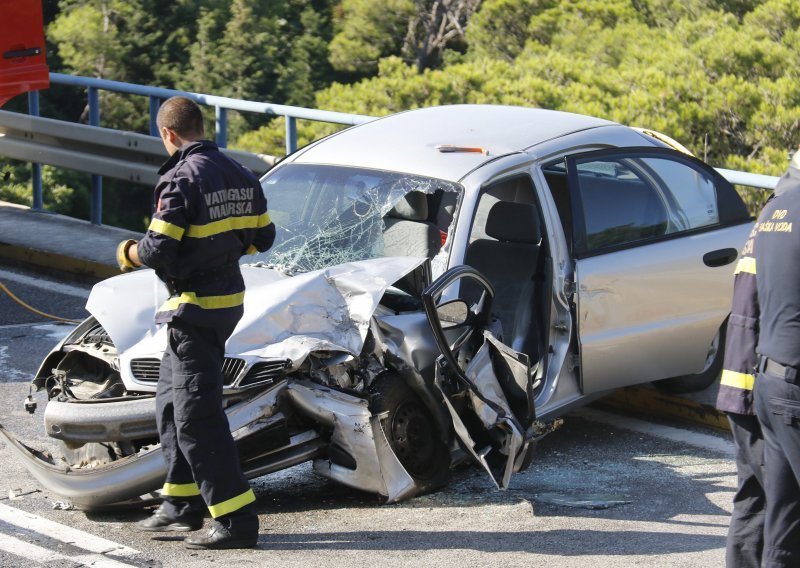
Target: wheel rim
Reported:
point(413, 439)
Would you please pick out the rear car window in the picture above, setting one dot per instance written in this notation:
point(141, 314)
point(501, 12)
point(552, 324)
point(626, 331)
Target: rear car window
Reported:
point(628, 199)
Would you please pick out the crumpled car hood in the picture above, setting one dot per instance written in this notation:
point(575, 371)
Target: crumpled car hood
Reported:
point(284, 317)
point(325, 314)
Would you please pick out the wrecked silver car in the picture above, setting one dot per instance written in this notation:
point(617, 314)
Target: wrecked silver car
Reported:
point(446, 283)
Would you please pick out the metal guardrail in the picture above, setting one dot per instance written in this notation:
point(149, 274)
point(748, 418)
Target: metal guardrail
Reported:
point(221, 106)
point(101, 151)
point(747, 179)
point(156, 95)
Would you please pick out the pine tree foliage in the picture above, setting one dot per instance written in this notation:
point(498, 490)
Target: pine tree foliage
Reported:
point(720, 76)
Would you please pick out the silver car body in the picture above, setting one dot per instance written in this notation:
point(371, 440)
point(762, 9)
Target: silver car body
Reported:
point(624, 313)
point(643, 314)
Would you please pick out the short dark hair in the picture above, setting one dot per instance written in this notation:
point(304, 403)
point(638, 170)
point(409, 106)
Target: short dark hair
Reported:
point(182, 115)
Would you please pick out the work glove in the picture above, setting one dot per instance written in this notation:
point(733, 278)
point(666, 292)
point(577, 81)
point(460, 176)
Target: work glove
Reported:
point(123, 260)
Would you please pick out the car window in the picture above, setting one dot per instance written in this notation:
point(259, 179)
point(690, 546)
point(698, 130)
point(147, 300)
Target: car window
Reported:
point(327, 215)
point(628, 199)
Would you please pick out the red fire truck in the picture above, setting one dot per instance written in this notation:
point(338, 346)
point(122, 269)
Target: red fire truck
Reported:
point(22, 55)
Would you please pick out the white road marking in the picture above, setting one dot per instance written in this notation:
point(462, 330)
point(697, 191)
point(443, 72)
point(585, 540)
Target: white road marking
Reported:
point(35, 553)
point(9, 372)
point(6, 276)
point(697, 439)
point(13, 325)
point(97, 547)
point(56, 331)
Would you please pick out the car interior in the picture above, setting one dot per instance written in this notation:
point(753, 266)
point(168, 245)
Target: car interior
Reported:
point(416, 226)
point(408, 230)
point(507, 246)
point(606, 223)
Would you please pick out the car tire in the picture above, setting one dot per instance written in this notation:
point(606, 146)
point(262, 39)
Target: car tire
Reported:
point(702, 380)
point(411, 430)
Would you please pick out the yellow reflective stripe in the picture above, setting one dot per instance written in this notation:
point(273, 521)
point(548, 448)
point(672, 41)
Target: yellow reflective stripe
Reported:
point(232, 505)
point(180, 490)
point(205, 302)
point(229, 224)
point(746, 264)
point(737, 380)
point(251, 250)
point(164, 228)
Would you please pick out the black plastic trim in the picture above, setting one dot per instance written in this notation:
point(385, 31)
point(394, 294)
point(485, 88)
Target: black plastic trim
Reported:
point(20, 53)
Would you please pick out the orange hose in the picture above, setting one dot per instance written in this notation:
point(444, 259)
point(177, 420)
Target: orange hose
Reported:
point(31, 308)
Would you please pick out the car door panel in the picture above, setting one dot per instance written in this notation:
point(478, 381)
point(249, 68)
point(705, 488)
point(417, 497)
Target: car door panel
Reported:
point(494, 379)
point(655, 235)
point(651, 312)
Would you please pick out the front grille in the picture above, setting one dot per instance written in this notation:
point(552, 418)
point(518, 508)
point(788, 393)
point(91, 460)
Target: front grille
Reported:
point(146, 369)
point(266, 372)
point(231, 368)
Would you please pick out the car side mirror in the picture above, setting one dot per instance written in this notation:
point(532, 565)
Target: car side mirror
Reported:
point(453, 313)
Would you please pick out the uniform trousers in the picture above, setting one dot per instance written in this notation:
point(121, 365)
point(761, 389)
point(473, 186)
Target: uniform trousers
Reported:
point(778, 409)
point(746, 533)
point(194, 431)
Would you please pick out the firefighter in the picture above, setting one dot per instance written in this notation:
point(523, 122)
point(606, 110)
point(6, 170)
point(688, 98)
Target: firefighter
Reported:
point(777, 385)
point(775, 248)
point(210, 211)
point(745, 540)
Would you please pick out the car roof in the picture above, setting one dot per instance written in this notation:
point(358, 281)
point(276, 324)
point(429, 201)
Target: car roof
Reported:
point(408, 141)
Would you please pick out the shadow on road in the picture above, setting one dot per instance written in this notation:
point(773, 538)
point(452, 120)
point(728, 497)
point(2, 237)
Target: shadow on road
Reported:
point(556, 542)
point(673, 495)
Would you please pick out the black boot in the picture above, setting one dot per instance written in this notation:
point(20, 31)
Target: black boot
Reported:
point(231, 532)
point(165, 519)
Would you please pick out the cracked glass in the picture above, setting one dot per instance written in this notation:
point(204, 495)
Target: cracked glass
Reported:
point(328, 215)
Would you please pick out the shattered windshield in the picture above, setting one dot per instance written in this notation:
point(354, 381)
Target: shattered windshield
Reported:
point(328, 215)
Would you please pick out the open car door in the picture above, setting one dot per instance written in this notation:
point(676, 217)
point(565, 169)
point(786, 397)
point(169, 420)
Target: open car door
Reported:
point(486, 386)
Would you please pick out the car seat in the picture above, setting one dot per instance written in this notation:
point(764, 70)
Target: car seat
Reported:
point(408, 232)
point(510, 260)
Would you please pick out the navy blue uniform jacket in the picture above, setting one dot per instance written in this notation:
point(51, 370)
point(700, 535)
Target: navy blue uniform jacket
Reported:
point(746, 334)
point(210, 210)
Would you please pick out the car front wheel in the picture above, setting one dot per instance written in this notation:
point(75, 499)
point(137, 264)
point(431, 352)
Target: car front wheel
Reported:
point(411, 431)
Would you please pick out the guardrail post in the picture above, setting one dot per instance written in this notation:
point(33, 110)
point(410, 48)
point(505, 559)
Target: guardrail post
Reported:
point(97, 181)
point(291, 134)
point(155, 103)
point(36, 169)
point(221, 126)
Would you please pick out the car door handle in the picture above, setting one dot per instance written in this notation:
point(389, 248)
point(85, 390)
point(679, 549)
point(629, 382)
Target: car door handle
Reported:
point(18, 53)
point(720, 257)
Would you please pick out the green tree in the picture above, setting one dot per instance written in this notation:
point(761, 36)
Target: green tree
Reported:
point(367, 31)
point(722, 81)
point(417, 30)
point(87, 34)
point(718, 75)
point(500, 29)
point(266, 50)
point(306, 69)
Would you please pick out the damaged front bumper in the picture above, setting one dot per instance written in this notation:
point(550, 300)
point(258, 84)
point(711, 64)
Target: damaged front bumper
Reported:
point(138, 477)
point(317, 408)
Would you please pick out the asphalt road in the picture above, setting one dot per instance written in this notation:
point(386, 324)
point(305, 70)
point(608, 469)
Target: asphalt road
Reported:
point(603, 491)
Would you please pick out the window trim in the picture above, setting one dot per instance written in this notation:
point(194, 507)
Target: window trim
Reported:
point(730, 207)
